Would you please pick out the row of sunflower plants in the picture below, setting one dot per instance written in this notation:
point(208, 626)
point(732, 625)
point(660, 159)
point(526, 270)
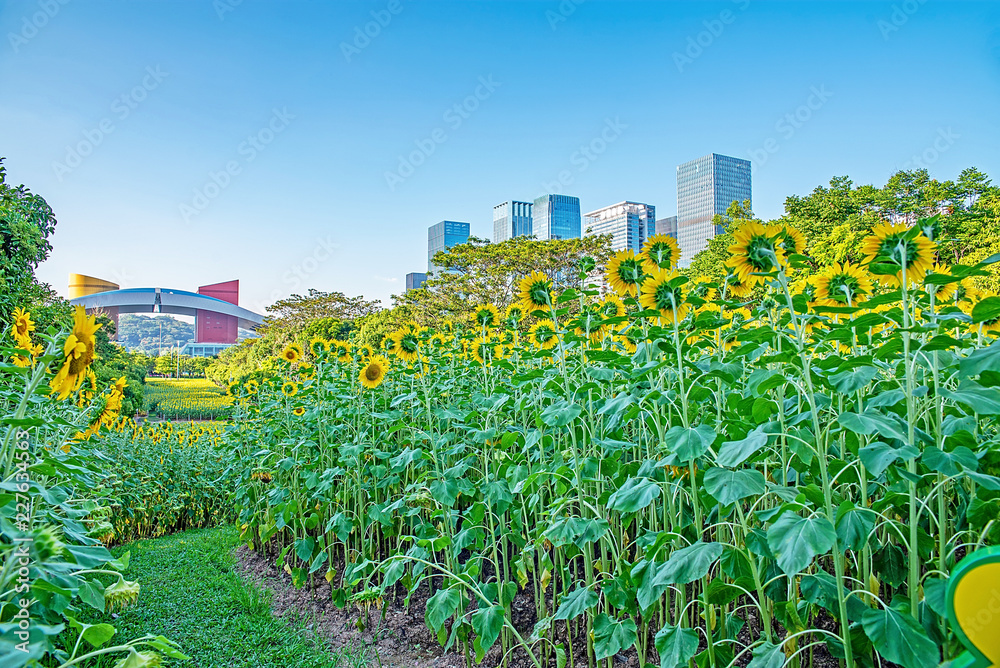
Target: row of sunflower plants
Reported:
point(53, 564)
point(187, 399)
point(664, 467)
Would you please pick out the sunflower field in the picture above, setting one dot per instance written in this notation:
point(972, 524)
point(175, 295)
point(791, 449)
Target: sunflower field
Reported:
point(779, 468)
point(186, 399)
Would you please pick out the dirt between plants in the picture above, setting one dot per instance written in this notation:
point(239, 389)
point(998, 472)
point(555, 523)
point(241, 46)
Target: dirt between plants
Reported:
point(395, 635)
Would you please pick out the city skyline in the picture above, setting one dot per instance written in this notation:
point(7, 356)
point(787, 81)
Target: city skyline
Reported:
point(154, 158)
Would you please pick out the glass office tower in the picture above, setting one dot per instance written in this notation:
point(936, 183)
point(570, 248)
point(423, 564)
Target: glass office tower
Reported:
point(415, 280)
point(511, 219)
point(556, 217)
point(627, 222)
point(667, 226)
point(444, 235)
point(706, 187)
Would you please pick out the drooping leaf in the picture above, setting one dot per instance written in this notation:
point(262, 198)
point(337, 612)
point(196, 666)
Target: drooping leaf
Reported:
point(796, 540)
point(440, 607)
point(898, 638)
point(612, 635)
point(676, 646)
point(487, 623)
point(576, 603)
point(734, 453)
point(691, 563)
point(728, 487)
point(634, 495)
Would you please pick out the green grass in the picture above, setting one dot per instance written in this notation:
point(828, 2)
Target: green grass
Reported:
point(192, 595)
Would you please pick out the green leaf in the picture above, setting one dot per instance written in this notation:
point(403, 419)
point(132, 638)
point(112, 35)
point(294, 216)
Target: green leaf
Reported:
point(634, 495)
point(576, 603)
point(561, 413)
point(987, 309)
point(853, 526)
point(767, 655)
point(900, 639)
point(487, 623)
point(676, 646)
point(983, 359)
point(877, 457)
point(982, 400)
point(795, 540)
point(440, 607)
point(92, 593)
point(728, 487)
point(304, 548)
point(691, 563)
point(95, 634)
point(612, 635)
point(849, 382)
point(872, 422)
point(949, 463)
point(734, 453)
point(689, 443)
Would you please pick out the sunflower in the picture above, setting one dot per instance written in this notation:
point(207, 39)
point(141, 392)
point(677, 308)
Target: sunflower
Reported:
point(78, 351)
point(341, 350)
point(388, 343)
point(482, 349)
point(842, 285)
point(319, 346)
point(991, 327)
point(790, 240)
point(289, 388)
point(756, 250)
point(589, 323)
point(624, 273)
point(807, 287)
point(535, 292)
point(737, 288)
point(942, 293)
point(659, 295)
point(487, 315)
point(899, 246)
point(448, 327)
point(307, 372)
point(627, 340)
point(612, 306)
point(501, 351)
point(543, 335)
point(660, 252)
point(292, 353)
point(701, 287)
point(407, 344)
point(438, 339)
point(299, 411)
point(23, 327)
point(252, 386)
point(728, 332)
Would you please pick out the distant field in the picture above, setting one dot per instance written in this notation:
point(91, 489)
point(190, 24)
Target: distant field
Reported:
point(186, 399)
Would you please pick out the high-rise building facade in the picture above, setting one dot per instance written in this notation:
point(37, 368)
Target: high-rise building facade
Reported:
point(415, 280)
point(511, 219)
point(442, 236)
point(629, 223)
point(706, 187)
point(555, 217)
point(667, 226)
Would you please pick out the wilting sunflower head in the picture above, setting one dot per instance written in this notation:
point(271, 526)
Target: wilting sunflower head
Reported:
point(535, 292)
point(406, 344)
point(843, 285)
point(292, 353)
point(612, 306)
point(898, 246)
point(625, 273)
point(661, 252)
point(790, 240)
point(543, 335)
point(756, 250)
point(319, 346)
point(121, 594)
point(78, 351)
point(289, 388)
point(666, 292)
point(486, 315)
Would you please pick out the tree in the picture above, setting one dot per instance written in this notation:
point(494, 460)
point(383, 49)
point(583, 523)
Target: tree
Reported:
point(298, 310)
point(26, 222)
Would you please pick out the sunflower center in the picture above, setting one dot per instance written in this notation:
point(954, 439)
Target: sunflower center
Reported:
point(373, 372)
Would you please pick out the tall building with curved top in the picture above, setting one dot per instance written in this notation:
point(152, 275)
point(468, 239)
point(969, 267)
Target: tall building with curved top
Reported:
point(706, 187)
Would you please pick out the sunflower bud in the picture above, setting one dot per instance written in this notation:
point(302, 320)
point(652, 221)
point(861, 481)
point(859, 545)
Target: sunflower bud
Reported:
point(122, 594)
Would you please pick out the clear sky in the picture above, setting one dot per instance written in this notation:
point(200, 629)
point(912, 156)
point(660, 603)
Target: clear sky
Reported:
point(189, 142)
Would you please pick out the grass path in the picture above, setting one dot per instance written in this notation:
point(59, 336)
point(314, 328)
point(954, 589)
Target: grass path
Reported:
point(191, 594)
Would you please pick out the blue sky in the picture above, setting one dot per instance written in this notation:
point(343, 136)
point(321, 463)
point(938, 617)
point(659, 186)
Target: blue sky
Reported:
point(190, 142)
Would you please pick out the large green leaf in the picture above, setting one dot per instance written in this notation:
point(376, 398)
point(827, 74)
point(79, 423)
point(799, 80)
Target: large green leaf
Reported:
point(795, 540)
point(872, 422)
point(879, 456)
point(634, 495)
point(849, 382)
point(676, 646)
point(487, 623)
point(978, 361)
point(767, 655)
point(982, 400)
point(728, 487)
point(986, 309)
point(689, 443)
point(561, 413)
point(734, 453)
point(898, 638)
point(440, 607)
point(949, 463)
point(691, 563)
point(612, 635)
point(576, 603)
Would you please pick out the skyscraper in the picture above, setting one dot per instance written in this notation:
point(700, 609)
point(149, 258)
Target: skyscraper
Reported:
point(511, 219)
point(555, 217)
point(415, 280)
point(667, 226)
point(706, 187)
point(444, 235)
point(628, 222)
